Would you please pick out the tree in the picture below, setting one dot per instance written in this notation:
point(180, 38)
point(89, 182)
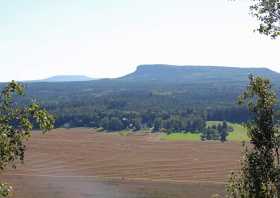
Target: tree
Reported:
point(259, 176)
point(216, 132)
point(157, 124)
point(16, 124)
point(104, 123)
point(210, 133)
point(268, 14)
point(115, 124)
point(223, 130)
point(206, 134)
point(136, 124)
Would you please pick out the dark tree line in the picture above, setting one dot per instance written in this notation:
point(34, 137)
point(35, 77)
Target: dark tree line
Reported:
point(117, 105)
point(216, 132)
point(116, 120)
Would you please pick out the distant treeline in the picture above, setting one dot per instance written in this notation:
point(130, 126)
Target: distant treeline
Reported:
point(114, 120)
point(116, 105)
point(114, 116)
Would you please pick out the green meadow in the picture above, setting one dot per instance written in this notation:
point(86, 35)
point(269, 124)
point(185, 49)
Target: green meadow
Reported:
point(239, 133)
point(181, 136)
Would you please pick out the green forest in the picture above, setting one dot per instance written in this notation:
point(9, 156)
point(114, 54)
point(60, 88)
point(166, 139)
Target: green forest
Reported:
point(184, 102)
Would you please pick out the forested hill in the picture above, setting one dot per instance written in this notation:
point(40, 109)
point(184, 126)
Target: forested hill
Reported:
point(197, 74)
point(153, 96)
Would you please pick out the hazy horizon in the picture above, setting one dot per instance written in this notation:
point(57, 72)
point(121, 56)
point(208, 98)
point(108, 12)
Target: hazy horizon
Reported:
point(107, 39)
point(94, 78)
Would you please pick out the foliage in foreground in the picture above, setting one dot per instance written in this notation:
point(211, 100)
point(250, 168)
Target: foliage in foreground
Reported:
point(268, 14)
point(16, 124)
point(259, 176)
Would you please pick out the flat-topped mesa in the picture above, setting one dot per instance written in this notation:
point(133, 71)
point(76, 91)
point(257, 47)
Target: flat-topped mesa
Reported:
point(179, 74)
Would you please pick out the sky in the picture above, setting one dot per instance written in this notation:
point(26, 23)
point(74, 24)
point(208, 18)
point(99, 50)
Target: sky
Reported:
point(109, 38)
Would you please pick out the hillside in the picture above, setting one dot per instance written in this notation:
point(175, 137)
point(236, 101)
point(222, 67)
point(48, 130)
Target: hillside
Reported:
point(152, 91)
point(192, 85)
point(197, 74)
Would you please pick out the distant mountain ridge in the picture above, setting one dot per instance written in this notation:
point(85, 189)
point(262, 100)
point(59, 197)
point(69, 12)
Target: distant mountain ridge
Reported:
point(67, 78)
point(161, 73)
point(199, 74)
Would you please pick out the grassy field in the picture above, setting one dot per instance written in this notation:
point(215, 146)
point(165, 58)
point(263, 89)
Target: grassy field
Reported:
point(239, 134)
point(181, 136)
point(124, 133)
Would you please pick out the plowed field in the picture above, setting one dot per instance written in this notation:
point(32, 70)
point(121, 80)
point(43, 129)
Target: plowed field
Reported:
point(83, 163)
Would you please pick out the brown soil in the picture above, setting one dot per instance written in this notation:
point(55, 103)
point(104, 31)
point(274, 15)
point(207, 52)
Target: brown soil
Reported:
point(69, 161)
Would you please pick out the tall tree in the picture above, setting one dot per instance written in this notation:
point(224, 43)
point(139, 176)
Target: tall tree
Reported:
point(16, 124)
point(260, 172)
point(223, 130)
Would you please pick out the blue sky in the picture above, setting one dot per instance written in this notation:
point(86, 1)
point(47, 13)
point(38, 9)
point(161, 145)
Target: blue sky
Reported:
point(109, 38)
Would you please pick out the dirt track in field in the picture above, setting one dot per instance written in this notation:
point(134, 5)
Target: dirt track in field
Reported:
point(82, 157)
